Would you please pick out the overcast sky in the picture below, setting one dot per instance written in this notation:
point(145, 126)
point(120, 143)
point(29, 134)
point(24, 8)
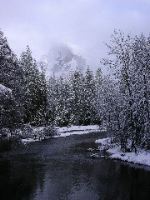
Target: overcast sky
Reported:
point(82, 24)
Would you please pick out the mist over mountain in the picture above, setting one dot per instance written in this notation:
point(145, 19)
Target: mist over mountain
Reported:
point(62, 59)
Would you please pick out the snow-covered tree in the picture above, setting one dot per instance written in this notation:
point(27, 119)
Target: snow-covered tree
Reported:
point(98, 95)
point(77, 98)
point(131, 66)
point(34, 89)
point(9, 112)
point(11, 74)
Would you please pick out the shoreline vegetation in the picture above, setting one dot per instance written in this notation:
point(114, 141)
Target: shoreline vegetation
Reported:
point(30, 134)
point(141, 157)
point(118, 99)
point(9, 140)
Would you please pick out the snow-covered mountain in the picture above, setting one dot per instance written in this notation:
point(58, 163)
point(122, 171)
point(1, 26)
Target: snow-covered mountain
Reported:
point(62, 59)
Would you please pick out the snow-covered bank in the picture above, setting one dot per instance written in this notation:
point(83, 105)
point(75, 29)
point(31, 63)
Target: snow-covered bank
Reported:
point(142, 157)
point(39, 132)
point(77, 130)
point(104, 143)
point(29, 140)
point(34, 134)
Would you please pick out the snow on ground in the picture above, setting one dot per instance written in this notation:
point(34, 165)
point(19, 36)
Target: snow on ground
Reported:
point(142, 157)
point(29, 140)
point(75, 133)
point(65, 131)
point(77, 130)
point(4, 90)
point(103, 141)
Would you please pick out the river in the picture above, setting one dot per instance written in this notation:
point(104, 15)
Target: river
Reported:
point(63, 169)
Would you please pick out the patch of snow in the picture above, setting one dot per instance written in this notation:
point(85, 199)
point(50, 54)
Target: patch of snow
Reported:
point(65, 134)
point(76, 130)
point(38, 129)
point(142, 157)
point(103, 141)
point(28, 140)
point(4, 90)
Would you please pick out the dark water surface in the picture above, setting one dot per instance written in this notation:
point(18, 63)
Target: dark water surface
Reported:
point(62, 169)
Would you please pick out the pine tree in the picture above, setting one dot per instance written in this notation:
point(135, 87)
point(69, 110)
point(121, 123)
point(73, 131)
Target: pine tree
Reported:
point(76, 98)
point(89, 98)
point(32, 88)
point(11, 76)
point(98, 95)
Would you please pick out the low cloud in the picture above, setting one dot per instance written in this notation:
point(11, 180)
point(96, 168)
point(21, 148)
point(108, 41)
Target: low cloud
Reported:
point(84, 23)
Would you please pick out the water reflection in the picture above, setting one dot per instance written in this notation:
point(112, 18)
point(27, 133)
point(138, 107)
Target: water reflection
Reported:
point(69, 175)
point(18, 180)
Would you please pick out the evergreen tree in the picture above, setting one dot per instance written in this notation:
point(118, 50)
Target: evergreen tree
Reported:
point(34, 89)
point(11, 76)
point(76, 98)
point(98, 95)
point(89, 98)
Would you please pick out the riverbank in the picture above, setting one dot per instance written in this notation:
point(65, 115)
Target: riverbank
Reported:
point(62, 168)
point(77, 130)
point(65, 132)
point(142, 157)
point(28, 133)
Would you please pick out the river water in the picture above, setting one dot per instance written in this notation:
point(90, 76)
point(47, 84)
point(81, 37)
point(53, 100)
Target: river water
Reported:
point(63, 169)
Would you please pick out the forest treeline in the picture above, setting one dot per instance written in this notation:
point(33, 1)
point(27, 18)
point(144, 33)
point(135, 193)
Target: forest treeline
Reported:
point(38, 100)
point(120, 100)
